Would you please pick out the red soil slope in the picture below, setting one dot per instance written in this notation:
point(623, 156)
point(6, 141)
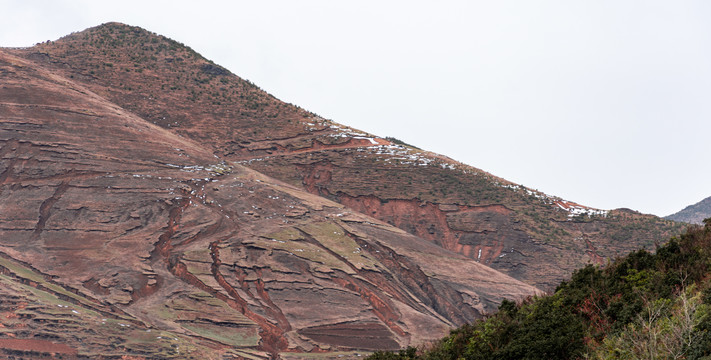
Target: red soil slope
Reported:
point(120, 238)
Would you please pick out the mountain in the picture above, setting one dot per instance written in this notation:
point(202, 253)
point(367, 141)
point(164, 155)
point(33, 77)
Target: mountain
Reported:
point(154, 205)
point(110, 221)
point(119, 238)
point(531, 236)
point(693, 214)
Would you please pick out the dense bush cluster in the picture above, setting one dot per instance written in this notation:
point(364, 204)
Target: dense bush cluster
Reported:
point(642, 306)
point(400, 142)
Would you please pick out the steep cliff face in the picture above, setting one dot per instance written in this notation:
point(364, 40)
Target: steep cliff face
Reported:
point(534, 237)
point(120, 238)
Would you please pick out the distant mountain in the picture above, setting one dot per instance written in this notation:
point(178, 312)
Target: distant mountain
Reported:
point(693, 214)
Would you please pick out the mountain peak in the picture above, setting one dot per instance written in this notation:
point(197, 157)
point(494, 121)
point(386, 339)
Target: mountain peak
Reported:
point(111, 37)
point(117, 26)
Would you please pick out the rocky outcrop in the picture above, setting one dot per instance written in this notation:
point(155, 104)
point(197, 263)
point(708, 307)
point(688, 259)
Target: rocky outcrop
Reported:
point(528, 235)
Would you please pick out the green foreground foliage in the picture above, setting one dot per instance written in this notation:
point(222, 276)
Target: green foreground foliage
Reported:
point(642, 306)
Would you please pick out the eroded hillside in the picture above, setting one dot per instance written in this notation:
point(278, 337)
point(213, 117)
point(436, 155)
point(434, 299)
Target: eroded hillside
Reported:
point(531, 236)
point(120, 238)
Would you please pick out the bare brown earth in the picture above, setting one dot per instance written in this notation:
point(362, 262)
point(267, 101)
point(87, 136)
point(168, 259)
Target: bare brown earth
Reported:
point(120, 238)
point(38, 346)
point(521, 232)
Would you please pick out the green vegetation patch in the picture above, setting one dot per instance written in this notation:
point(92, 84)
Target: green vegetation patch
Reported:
point(29, 274)
point(287, 234)
point(334, 237)
point(314, 254)
point(240, 337)
point(93, 334)
point(211, 318)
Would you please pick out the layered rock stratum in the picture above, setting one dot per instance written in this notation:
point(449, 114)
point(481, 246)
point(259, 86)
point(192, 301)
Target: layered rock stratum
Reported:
point(154, 205)
point(119, 237)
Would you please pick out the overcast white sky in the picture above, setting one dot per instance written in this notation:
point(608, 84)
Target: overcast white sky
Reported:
point(606, 103)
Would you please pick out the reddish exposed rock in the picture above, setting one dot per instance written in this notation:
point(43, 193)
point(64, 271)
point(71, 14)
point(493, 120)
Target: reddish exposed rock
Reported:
point(125, 239)
point(172, 86)
point(524, 234)
point(120, 198)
